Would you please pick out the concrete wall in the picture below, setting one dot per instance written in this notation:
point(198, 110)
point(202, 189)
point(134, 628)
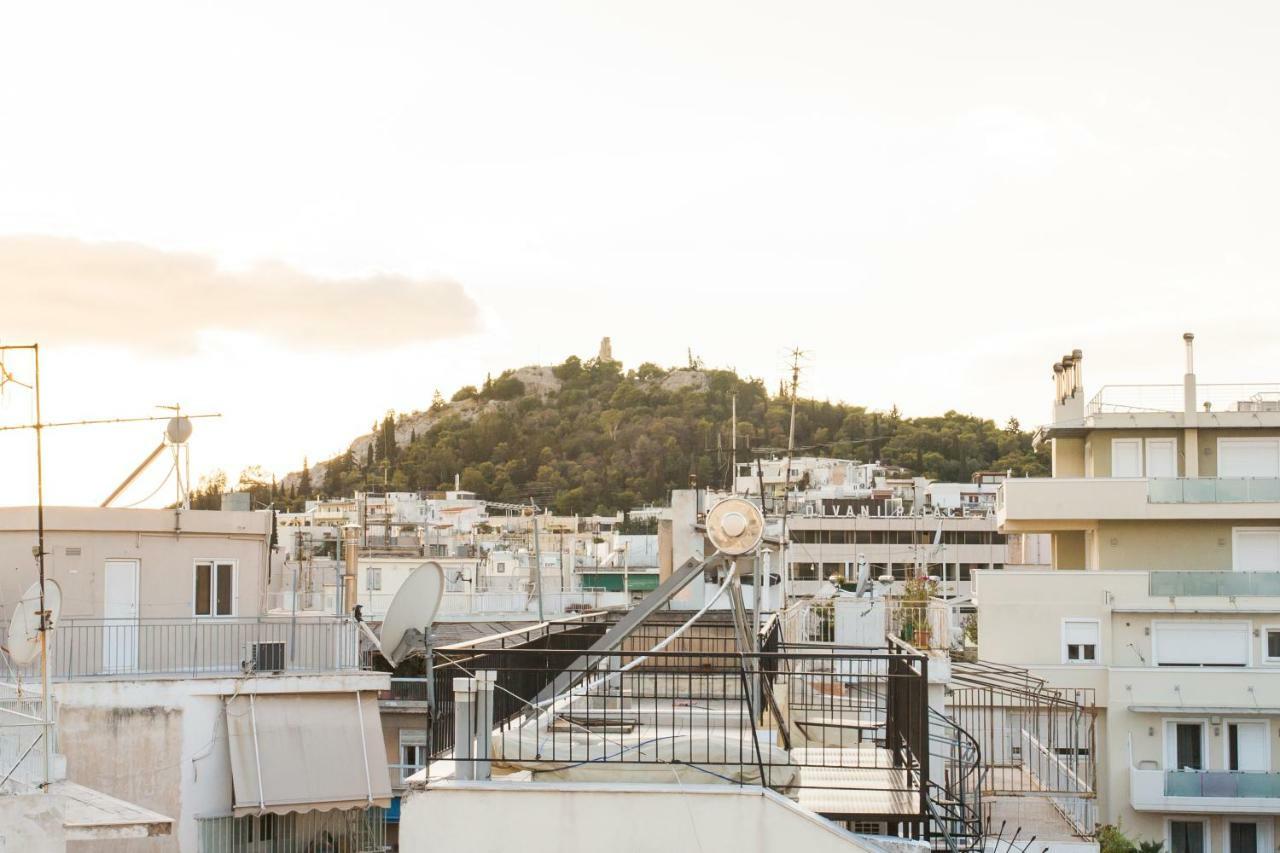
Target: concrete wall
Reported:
point(1067, 456)
point(32, 823)
point(162, 743)
point(166, 558)
point(584, 818)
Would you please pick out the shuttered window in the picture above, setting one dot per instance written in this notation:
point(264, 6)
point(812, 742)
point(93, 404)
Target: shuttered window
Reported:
point(1201, 643)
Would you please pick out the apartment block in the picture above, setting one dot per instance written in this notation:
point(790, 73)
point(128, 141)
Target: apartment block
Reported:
point(1163, 600)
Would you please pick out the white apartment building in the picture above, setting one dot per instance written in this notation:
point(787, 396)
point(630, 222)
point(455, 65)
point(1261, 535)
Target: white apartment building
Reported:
point(943, 530)
point(1163, 600)
point(177, 690)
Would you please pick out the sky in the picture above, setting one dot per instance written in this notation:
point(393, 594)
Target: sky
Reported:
point(300, 215)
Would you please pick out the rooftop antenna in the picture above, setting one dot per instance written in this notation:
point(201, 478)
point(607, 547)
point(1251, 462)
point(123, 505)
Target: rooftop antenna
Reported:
point(177, 433)
point(27, 639)
point(796, 355)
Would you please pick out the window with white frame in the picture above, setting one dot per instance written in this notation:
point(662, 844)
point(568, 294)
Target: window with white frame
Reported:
point(373, 578)
point(215, 588)
point(1271, 648)
point(1188, 836)
point(1193, 643)
point(1080, 640)
point(1255, 549)
point(413, 751)
point(1126, 457)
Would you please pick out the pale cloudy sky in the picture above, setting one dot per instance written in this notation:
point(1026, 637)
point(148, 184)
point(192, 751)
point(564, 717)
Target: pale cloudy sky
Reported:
point(303, 214)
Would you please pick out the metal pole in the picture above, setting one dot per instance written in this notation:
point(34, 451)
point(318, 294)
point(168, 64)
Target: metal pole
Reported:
point(44, 614)
point(537, 569)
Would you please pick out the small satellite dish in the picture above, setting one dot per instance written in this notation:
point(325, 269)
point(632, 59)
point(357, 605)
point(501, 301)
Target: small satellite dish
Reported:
point(412, 610)
point(735, 526)
point(178, 430)
point(24, 630)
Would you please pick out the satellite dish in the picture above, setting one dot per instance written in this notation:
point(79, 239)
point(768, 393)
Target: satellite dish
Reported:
point(735, 526)
point(24, 629)
point(412, 610)
point(178, 430)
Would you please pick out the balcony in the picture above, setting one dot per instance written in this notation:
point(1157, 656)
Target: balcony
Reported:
point(82, 649)
point(1204, 792)
point(1179, 490)
point(1206, 584)
point(1074, 503)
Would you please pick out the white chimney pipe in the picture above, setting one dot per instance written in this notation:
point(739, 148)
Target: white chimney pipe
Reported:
point(1189, 380)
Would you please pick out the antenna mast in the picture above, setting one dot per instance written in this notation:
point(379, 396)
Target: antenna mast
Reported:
point(796, 354)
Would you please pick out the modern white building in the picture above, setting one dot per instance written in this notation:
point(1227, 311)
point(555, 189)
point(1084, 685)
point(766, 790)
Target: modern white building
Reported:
point(1162, 602)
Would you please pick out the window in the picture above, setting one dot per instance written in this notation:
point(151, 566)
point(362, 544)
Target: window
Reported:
point(1184, 745)
point(373, 578)
point(215, 588)
point(1162, 457)
point(1273, 645)
point(1249, 457)
point(413, 752)
point(1080, 640)
point(1126, 457)
point(1245, 835)
point(1247, 747)
point(1255, 549)
point(1186, 643)
point(1186, 836)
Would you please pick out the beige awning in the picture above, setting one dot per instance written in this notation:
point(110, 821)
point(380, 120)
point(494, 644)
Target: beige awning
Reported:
point(306, 751)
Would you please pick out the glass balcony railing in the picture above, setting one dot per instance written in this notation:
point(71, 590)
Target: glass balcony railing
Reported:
point(1220, 783)
point(1189, 490)
point(1167, 583)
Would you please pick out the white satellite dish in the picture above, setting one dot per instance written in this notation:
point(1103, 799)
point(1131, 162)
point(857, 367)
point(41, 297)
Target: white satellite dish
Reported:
point(735, 526)
point(413, 608)
point(23, 642)
point(178, 430)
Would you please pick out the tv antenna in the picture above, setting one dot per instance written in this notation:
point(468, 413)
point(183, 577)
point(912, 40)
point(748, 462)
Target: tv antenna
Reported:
point(177, 433)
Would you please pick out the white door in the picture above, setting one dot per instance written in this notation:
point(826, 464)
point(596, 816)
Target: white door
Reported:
point(1255, 549)
point(1247, 747)
point(1249, 457)
point(120, 616)
point(1162, 457)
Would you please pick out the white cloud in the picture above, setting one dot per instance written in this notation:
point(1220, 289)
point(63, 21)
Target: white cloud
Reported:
point(69, 291)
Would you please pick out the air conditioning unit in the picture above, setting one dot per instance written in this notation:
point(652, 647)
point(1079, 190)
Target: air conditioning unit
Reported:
point(264, 656)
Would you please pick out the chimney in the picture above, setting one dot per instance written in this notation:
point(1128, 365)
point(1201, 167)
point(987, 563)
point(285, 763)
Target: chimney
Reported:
point(1189, 380)
point(1068, 397)
point(350, 560)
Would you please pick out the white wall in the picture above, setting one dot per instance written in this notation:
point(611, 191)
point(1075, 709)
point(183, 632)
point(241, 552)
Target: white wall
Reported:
point(538, 817)
point(32, 823)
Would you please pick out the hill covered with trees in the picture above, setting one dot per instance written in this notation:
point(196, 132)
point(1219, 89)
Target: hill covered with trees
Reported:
point(589, 436)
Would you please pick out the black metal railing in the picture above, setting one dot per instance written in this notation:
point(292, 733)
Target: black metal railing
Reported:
point(808, 723)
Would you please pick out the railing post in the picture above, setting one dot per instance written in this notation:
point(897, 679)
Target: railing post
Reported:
point(485, 681)
point(464, 694)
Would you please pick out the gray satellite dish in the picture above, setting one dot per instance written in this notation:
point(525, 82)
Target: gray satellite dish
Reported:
point(411, 612)
point(24, 630)
point(178, 430)
point(735, 526)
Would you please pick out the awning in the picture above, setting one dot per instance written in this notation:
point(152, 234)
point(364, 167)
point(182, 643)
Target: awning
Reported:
point(306, 751)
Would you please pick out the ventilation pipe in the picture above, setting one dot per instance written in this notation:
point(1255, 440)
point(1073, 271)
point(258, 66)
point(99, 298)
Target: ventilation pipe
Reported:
point(1189, 380)
point(350, 560)
point(1058, 384)
point(1077, 369)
